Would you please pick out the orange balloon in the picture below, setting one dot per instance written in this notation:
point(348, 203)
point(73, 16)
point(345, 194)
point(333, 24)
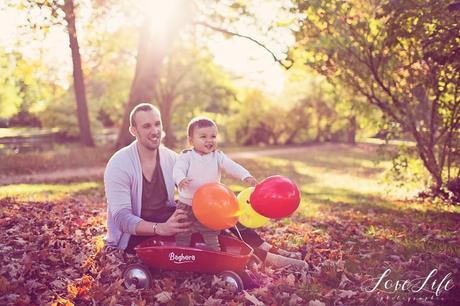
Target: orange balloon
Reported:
point(216, 206)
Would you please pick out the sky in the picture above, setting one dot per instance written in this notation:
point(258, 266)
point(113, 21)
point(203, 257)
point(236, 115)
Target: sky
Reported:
point(237, 55)
point(254, 64)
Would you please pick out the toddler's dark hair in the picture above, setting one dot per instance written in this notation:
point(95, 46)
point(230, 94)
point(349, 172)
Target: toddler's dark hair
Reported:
point(199, 122)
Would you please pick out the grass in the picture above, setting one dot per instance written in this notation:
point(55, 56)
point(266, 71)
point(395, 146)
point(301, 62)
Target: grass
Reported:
point(50, 192)
point(327, 174)
point(60, 157)
point(24, 132)
point(346, 182)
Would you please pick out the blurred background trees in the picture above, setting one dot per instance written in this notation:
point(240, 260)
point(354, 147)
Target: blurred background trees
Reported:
point(359, 69)
point(404, 58)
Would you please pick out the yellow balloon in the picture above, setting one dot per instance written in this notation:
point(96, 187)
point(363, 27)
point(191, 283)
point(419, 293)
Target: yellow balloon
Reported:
point(249, 217)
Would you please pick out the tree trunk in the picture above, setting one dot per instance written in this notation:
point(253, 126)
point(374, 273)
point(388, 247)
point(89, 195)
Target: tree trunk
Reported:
point(318, 130)
point(351, 135)
point(152, 49)
point(148, 66)
point(291, 137)
point(428, 158)
point(78, 79)
point(166, 107)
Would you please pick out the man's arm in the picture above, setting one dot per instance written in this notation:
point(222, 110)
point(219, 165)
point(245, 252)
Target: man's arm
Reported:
point(171, 227)
point(118, 192)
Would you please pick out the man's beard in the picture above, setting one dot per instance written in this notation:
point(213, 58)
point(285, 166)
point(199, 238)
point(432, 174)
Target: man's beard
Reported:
point(150, 144)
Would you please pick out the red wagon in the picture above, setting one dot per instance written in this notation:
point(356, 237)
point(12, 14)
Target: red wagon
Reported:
point(161, 252)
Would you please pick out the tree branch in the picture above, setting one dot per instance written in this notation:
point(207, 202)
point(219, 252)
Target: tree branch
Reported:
point(287, 63)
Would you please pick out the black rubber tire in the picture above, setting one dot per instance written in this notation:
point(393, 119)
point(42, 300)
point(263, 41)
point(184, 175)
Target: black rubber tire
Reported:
point(137, 275)
point(233, 278)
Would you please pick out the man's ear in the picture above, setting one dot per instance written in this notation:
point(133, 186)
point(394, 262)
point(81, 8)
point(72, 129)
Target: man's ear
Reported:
point(132, 131)
point(189, 140)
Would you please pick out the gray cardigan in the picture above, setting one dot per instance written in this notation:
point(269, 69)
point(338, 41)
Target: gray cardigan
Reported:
point(123, 189)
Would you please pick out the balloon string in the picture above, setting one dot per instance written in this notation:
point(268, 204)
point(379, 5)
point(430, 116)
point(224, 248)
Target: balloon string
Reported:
point(239, 234)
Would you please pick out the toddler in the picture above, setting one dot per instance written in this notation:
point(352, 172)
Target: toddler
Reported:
point(200, 165)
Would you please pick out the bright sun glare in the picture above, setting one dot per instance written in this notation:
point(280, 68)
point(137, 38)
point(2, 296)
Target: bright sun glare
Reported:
point(240, 56)
point(163, 13)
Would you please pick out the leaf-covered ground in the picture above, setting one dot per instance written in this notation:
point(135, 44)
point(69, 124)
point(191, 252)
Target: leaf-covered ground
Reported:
point(51, 249)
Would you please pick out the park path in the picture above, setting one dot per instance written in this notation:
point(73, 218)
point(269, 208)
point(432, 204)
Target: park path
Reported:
point(98, 172)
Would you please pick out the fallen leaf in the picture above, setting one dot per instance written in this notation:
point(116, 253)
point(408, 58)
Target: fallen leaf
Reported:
point(252, 299)
point(346, 294)
point(212, 302)
point(295, 300)
point(58, 284)
point(344, 281)
point(290, 279)
point(72, 290)
point(163, 297)
point(316, 303)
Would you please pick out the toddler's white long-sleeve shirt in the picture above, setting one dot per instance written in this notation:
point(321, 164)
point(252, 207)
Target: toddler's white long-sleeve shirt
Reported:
point(204, 169)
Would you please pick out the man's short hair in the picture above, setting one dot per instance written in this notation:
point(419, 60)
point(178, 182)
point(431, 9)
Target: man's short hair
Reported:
point(199, 122)
point(141, 107)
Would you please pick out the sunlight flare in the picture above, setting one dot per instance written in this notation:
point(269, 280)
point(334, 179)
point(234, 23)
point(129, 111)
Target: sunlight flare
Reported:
point(164, 14)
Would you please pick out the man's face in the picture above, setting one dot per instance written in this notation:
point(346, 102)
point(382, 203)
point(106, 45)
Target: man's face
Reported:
point(147, 129)
point(204, 139)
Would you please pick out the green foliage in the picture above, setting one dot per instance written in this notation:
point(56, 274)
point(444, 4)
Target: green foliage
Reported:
point(402, 56)
point(22, 89)
point(108, 59)
point(258, 120)
point(10, 98)
point(110, 70)
point(9, 101)
point(310, 109)
point(60, 112)
point(407, 176)
point(190, 84)
point(328, 112)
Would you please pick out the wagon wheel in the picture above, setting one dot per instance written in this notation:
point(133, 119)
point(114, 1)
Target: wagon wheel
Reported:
point(254, 262)
point(137, 275)
point(233, 278)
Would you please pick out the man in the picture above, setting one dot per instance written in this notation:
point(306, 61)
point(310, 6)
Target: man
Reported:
point(143, 162)
point(140, 191)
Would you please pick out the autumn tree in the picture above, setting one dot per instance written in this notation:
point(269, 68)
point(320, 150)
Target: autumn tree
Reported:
point(10, 99)
point(404, 57)
point(154, 44)
point(58, 13)
point(189, 80)
point(110, 60)
point(218, 17)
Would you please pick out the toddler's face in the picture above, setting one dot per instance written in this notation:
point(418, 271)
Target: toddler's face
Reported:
point(204, 139)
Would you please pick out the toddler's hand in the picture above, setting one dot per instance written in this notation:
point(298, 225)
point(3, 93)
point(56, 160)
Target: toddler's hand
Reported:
point(184, 183)
point(251, 181)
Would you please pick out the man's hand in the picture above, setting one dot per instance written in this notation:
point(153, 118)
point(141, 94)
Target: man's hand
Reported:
point(251, 181)
point(177, 223)
point(184, 183)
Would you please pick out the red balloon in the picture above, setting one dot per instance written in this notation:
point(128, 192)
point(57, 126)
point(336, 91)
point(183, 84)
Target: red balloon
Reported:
point(275, 197)
point(216, 206)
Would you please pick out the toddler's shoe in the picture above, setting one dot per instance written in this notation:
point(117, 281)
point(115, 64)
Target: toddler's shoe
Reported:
point(275, 250)
point(279, 261)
